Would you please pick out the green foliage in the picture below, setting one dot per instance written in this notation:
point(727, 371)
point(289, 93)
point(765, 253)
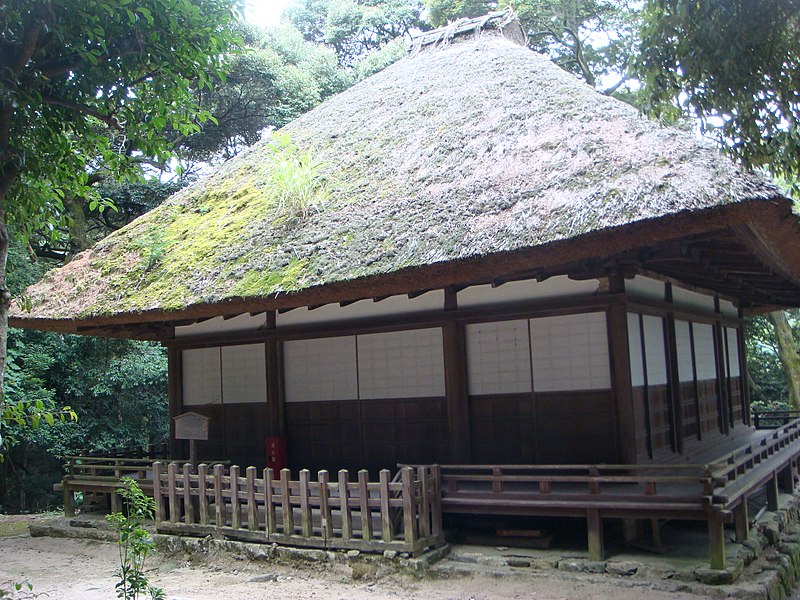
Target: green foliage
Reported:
point(294, 179)
point(135, 542)
point(735, 66)
point(85, 83)
point(354, 28)
point(769, 389)
point(20, 591)
point(441, 12)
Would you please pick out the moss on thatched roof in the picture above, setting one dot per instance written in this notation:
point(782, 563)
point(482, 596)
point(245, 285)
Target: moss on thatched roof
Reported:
point(472, 149)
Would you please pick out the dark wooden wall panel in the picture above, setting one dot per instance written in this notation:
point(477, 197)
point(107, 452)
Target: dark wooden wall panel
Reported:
point(689, 404)
point(371, 434)
point(502, 429)
point(735, 387)
point(659, 416)
point(575, 427)
point(246, 429)
point(709, 405)
point(409, 430)
point(641, 422)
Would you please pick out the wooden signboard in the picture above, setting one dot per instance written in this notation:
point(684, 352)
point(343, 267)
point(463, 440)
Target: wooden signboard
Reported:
point(191, 426)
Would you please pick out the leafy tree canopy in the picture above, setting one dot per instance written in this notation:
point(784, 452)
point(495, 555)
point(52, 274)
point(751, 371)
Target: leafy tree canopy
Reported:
point(735, 66)
point(354, 28)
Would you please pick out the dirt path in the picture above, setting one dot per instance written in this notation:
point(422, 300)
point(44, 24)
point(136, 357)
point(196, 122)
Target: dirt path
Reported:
point(70, 569)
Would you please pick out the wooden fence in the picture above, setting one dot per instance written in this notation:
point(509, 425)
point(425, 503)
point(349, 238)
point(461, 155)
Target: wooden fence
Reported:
point(402, 514)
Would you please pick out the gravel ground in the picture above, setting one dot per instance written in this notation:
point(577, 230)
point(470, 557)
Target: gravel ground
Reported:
point(72, 569)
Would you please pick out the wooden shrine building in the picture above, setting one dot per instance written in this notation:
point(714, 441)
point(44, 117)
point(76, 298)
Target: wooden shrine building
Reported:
point(493, 264)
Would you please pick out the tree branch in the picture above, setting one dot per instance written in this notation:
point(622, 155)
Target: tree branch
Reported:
point(109, 120)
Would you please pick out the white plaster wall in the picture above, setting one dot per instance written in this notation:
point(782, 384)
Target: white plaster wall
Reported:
point(401, 364)
point(570, 353)
point(645, 287)
point(320, 369)
point(202, 377)
point(219, 325)
point(692, 300)
point(683, 342)
point(728, 308)
point(498, 357)
point(655, 350)
point(394, 305)
point(244, 374)
point(515, 291)
point(704, 353)
point(635, 350)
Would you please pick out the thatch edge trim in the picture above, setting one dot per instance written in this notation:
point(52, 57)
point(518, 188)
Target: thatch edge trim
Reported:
point(772, 219)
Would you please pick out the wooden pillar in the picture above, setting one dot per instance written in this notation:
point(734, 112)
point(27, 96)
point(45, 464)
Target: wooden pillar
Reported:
point(723, 403)
point(455, 375)
point(786, 479)
point(741, 520)
point(175, 397)
point(716, 540)
point(743, 384)
point(673, 377)
point(595, 533)
point(276, 424)
point(617, 322)
point(772, 493)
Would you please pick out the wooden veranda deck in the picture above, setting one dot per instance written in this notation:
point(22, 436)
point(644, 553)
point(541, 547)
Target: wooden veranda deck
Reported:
point(715, 491)
point(404, 513)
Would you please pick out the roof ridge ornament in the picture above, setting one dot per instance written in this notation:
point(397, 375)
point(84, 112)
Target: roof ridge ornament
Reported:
point(504, 21)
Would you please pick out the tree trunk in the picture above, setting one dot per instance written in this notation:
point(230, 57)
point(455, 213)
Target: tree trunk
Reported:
point(789, 357)
point(5, 299)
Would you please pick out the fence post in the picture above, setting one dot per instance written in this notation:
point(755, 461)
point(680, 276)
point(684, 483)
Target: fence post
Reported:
point(252, 511)
point(386, 518)
point(436, 507)
point(409, 505)
point(425, 502)
point(305, 509)
point(344, 504)
point(269, 505)
point(202, 492)
point(157, 492)
point(219, 503)
point(286, 503)
point(188, 509)
point(595, 527)
point(326, 522)
point(363, 500)
point(174, 507)
point(236, 514)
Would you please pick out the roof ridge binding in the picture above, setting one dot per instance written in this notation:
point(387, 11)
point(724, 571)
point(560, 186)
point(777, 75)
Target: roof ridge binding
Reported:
point(504, 21)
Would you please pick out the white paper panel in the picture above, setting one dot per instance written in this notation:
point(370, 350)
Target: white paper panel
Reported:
point(401, 364)
point(684, 346)
point(704, 351)
point(570, 353)
point(320, 369)
point(635, 350)
point(733, 352)
point(654, 350)
point(728, 308)
point(201, 376)
point(498, 358)
point(244, 374)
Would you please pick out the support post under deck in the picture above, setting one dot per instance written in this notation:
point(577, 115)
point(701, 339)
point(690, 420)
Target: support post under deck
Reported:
point(716, 540)
point(595, 534)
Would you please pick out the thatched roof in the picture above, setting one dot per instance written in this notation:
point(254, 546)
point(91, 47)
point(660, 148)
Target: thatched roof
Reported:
point(459, 162)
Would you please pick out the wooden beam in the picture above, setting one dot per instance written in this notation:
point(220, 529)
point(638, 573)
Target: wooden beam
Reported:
point(175, 397)
point(673, 377)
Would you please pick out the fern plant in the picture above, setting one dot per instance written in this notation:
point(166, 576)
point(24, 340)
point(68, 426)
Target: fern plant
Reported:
point(294, 179)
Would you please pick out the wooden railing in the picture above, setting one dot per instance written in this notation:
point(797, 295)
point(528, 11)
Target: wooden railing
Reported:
point(772, 419)
point(402, 514)
point(100, 476)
